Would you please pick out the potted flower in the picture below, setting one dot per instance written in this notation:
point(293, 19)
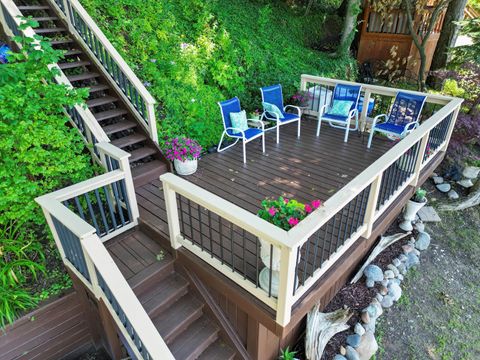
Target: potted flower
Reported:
point(413, 206)
point(284, 213)
point(184, 153)
point(255, 115)
point(301, 99)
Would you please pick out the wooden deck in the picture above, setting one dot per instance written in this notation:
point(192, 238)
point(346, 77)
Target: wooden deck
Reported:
point(304, 168)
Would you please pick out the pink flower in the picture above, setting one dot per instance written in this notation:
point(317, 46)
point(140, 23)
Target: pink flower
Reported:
point(308, 209)
point(286, 201)
point(293, 221)
point(316, 204)
point(272, 211)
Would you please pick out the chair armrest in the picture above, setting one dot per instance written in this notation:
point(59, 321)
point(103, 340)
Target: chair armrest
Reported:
point(410, 126)
point(323, 110)
point(258, 121)
point(376, 118)
point(237, 130)
point(264, 116)
point(352, 113)
point(299, 111)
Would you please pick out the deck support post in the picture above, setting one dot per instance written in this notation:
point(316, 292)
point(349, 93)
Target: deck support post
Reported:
point(112, 340)
point(372, 205)
point(286, 285)
point(419, 160)
point(172, 216)
point(363, 115)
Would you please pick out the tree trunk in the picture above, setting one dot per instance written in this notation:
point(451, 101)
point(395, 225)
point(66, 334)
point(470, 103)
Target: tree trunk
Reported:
point(349, 25)
point(449, 34)
point(421, 71)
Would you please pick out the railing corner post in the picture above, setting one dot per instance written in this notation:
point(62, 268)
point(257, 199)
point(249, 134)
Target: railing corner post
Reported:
point(172, 215)
point(420, 158)
point(286, 285)
point(372, 204)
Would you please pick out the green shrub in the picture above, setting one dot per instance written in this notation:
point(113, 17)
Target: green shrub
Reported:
point(193, 53)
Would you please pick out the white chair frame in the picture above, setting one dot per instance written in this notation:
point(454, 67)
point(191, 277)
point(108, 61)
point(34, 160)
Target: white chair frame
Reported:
point(240, 137)
point(353, 114)
point(407, 129)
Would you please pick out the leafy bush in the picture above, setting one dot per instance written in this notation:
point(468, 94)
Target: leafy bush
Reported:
point(193, 53)
point(38, 154)
point(286, 213)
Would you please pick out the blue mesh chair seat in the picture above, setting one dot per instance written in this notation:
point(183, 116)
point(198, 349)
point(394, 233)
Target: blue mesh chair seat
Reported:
point(403, 117)
point(274, 95)
point(342, 92)
point(233, 106)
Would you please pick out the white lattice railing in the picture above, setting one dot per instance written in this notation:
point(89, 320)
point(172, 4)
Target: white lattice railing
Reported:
point(232, 240)
point(81, 217)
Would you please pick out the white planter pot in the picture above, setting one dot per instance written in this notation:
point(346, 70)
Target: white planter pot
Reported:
point(186, 167)
point(264, 276)
point(409, 213)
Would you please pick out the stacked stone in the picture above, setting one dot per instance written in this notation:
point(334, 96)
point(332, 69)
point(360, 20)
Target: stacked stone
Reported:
point(466, 179)
point(362, 345)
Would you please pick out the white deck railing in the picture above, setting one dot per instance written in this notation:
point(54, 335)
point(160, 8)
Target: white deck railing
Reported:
point(107, 58)
point(309, 249)
point(79, 236)
point(80, 117)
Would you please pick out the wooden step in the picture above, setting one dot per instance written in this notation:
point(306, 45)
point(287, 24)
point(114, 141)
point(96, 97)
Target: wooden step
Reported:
point(104, 100)
point(96, 88)
point(125, 141)
point(157, 298)
point(119, 126)
point(73, 64)
point(45, 18)
point(218, 351)
point(50, 30)
point(190, 344)
point(61, 42)
point(110, 114)
point(72, 52)
point(178, 317)
point(141, 153)
point(83, 76)
point(143, 174)
point(32, 7)
point(152, 274)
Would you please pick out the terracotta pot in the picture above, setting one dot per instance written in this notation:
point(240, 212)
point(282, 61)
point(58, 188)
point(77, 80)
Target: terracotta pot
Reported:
point(186, 167)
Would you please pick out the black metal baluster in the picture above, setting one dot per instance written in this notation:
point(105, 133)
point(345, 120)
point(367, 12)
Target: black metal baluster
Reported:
point(92, 214)
point(270, 272)
point(110, 207)
point(102, 212)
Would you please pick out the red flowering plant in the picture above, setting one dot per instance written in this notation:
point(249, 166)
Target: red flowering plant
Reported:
point(301, 98)
point(182, 149)
point(286, 213)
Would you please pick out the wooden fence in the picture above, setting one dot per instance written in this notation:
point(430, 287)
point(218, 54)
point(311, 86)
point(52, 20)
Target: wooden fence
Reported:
point(348, 215)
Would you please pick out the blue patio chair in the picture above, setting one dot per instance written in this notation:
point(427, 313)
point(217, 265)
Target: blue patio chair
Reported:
point(403, 118)
point(248, 134)
point(273, 109)
point(342, 109)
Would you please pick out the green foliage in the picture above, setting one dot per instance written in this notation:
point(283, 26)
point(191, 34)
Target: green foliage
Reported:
point(420, 195)
point(193, 53)
point(286, 354)
point(38, 152)
point(13, 301)
point(62, 282)
point(471, 52)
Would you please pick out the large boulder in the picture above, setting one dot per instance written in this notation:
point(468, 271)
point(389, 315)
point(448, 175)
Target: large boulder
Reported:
point(373, 272)
point(368, 346)
point(423, 241)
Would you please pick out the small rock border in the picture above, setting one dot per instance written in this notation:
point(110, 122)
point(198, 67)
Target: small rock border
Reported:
point(466, 178)
point(362, 345)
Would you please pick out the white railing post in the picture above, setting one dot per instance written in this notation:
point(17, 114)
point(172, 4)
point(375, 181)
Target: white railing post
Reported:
point(90, 265)
point(152, 122)
point(363, 115)
point(303, 84)
point(172, 216)
point(419, 160)
point(286, 285)
point(372, 204)
point(48, 217)
point(4, 22)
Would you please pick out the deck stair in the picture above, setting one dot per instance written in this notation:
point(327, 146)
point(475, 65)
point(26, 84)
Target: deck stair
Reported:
point(180, 316)
point(106, 104)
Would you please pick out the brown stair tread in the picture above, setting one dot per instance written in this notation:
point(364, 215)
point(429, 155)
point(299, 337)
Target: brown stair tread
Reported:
point(101, 101)
point(72, 52)
point(128, 140)
point(144, 173)
point(177, 317)
point(141, 153)
point(50, 30)
point(119, 126)
point(83, 76)
point(61, 41)
point(45, 18)
point(194, 340)
point(73, 64)
point(109, 114)
point(218, 351)
point(33, 7)
point(156, 298)
point(96, 87)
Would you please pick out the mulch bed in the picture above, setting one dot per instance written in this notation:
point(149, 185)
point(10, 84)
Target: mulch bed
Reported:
point(356, 297)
